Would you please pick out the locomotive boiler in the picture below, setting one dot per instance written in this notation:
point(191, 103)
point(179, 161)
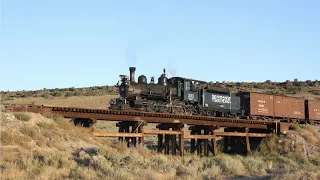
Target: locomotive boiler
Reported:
point(143, 95)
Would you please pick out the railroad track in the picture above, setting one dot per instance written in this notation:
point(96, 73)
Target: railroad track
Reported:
point(150, 117)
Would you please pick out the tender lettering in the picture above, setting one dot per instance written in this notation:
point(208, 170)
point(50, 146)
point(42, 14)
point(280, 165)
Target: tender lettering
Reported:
point(221, 99)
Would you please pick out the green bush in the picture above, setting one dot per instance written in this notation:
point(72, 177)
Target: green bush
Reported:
point(316, 93)
point(46, 96)
point(68, 94)
point(58, 94)
point(22, 116)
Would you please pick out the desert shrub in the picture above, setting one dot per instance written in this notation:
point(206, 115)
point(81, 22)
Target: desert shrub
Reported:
point(316, 93)
point(255, 164)
point(83, 173)
point(297, 175)
point(34, 134)
point(10, 138)
point(71, 89)
point(286, 163)
point(230, 165)
point(69, 94)
point(123, 175)
point(22, 116)
point(297, 127)
point(269, 146)
point(2, 108)
point(45, 96)
point(315, 161)
point(213, 172)
point(57, 94)
point(46, 125)
point(77, 93)
point(53, 116)
point(7, 138)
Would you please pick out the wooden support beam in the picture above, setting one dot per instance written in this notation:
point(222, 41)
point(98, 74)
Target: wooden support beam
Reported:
point(225, 134)
point(248, 142)
point(197, 146)
point(215, 150)
point(206, 153)
point(141, 130)
point(173, 144)
point(167, 144)
point(181, 144)
point(225, 144)
point(160, 142)
point(167, 132)
point(114, 134)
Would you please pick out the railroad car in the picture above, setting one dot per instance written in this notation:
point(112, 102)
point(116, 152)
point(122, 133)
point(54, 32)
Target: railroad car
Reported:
point(312, 111)
point(188, 96)
point(265, 106)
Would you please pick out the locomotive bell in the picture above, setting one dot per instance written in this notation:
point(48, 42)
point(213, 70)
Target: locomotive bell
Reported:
point(162, 80)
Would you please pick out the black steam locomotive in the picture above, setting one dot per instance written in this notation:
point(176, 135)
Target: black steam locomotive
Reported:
point(175, 95)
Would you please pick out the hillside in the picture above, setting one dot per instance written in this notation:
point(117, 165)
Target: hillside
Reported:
point(99, 96)
point(75, 101)
point(308, 89)
point(37, 147)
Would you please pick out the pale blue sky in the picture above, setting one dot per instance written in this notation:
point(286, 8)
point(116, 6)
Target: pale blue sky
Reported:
point(65, 43)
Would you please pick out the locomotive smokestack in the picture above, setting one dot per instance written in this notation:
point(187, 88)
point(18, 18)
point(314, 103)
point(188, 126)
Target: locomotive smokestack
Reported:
point(132, 71)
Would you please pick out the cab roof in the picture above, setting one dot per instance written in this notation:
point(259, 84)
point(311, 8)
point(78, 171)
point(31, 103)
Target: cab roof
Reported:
point(186, 79)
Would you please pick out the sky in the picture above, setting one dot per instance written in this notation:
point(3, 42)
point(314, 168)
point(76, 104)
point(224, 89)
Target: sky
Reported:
point(82, 43)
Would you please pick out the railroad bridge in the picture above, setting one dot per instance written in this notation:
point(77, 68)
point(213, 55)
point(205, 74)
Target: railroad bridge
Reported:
point(204, 130)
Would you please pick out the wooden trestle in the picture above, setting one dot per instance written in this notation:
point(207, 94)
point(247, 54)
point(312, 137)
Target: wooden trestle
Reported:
point(171, 137)
point(204, 130)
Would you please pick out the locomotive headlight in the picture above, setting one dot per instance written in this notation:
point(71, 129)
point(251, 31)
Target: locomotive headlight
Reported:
point(123, 77)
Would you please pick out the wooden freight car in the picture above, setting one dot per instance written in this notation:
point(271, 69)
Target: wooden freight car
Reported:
point(264, 106)
point(312, 110)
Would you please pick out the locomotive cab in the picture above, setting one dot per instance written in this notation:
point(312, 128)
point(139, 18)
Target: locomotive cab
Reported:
point(187, 89)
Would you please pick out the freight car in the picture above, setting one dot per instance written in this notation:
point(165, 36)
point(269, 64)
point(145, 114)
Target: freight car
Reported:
point(265, 106)
point(188, 96)
point(312, 111)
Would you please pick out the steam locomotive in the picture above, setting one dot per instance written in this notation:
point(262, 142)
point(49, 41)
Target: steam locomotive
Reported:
point(175, 95)
point(180, 95)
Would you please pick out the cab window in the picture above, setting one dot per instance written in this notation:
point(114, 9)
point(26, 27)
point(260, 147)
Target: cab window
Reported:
point(187, 85)
point(193, 86)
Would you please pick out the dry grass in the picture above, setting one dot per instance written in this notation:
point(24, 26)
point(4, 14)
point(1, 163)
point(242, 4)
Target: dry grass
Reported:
point(76, 101)
point(299, 175)
point(55, 149)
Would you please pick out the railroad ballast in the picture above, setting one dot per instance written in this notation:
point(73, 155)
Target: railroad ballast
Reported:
point(180, 95)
